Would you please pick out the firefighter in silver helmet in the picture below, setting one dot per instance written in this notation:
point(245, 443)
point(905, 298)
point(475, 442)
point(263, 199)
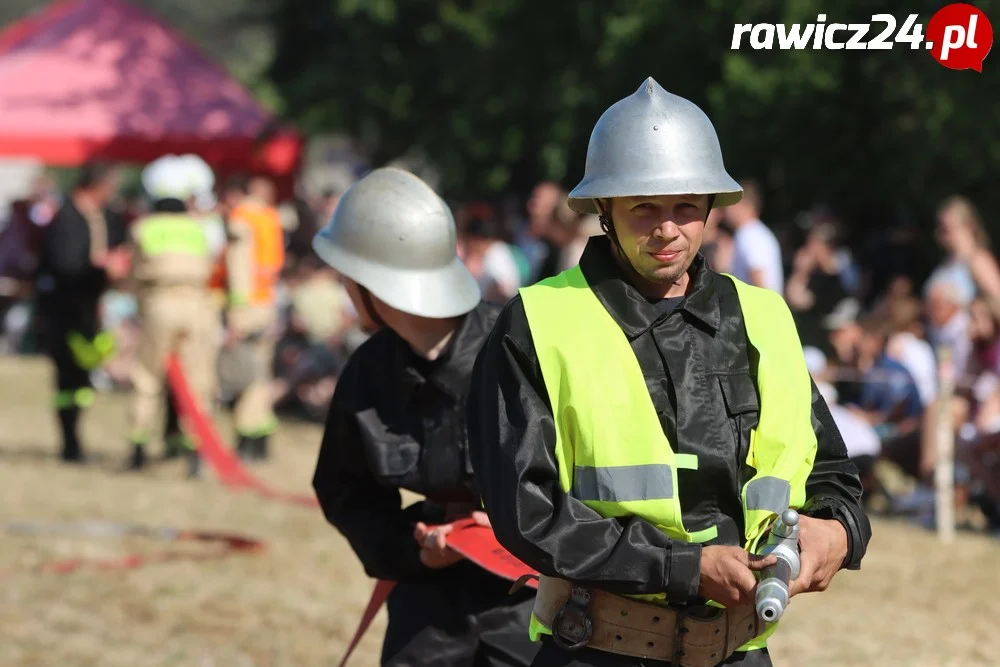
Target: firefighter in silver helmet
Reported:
point(396, 423)
point(638, 421)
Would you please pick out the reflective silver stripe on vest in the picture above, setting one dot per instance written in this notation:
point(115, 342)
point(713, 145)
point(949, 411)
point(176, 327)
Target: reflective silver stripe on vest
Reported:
point(769, 493)
point(617, 484)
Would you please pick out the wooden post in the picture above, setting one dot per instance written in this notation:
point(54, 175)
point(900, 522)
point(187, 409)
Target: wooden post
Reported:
point(944, 470)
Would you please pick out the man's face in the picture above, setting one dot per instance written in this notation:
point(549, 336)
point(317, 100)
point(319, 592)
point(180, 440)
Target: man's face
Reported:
point(845, 341)
point(106, 189)
point(541, 205)
point(660, 235)
point(939, 307)
point(872, 344)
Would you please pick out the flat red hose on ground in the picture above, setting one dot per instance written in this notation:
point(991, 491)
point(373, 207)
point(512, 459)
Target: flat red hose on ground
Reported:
point(230, 544)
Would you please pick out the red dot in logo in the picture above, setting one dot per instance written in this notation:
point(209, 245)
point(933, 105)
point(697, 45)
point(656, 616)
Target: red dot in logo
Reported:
point(961, 36)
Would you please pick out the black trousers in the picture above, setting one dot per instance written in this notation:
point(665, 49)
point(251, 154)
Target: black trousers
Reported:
point(552, 656)
point(61, 315)
point(462, 617)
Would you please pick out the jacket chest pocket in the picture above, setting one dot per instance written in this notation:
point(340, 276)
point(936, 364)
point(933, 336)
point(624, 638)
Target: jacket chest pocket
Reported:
point(739, 392)
point(447, 463)
point(393, 454)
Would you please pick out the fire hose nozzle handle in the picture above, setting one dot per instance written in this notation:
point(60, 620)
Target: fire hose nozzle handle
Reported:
point(773, 589)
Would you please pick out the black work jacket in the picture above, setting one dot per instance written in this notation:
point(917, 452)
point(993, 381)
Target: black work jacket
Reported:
point(701, 377)
point(396, 421)
point(64, 268)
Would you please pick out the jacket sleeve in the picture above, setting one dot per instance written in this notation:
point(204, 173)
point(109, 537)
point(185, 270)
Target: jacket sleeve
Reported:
point(369, 515)
point(239, 261)
point(833, 489)
point(512, 443)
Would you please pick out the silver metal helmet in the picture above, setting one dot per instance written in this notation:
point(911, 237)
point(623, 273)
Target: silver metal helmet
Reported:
point(653, 143)
point(392, 234)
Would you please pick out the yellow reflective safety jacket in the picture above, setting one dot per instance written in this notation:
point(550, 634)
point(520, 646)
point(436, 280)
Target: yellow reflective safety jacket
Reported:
point(612, 453)
point(172, 249)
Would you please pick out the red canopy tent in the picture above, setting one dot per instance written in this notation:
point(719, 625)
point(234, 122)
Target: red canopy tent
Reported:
point(89, 79)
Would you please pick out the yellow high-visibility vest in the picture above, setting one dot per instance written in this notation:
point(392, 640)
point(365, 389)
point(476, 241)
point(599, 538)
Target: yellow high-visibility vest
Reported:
point(612, 453)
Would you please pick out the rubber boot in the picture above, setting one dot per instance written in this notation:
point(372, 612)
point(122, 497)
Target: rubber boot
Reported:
point(173, 437)
point(138, 459)
point(194, 464)
point(71, 450)
point(176, 444)
point(260, 444)
point(245, 449)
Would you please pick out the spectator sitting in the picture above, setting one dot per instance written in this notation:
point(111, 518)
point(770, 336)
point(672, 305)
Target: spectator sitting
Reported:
point(949, 322)
point(844, 335)
point(320, 304)
point(310, 355)
point(908, 346)
point(861, 439)
point(889, 398)
point(985, 340)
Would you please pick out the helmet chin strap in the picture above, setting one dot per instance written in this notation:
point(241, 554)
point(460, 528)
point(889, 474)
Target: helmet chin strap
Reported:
point(366, 301)
point(608, 227)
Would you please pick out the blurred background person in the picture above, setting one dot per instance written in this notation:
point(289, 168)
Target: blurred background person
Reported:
point(255, 256)
point(815, 285)
point(949, 323)
point(889, 399)
point(908, 345)
point(568, 233)
point(756, 253)
point(172, 264)
point(316, 341)
point(80, 254)
point(718, 244)
point(488, 257)
point(533, 238)
point(969, 266)
point(861, 439)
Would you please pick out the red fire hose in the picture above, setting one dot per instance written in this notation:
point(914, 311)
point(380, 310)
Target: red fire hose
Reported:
point(228, 544)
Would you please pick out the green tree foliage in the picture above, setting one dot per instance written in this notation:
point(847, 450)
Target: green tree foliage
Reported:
point(500, 93)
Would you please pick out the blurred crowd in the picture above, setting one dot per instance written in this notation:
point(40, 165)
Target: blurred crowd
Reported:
point(879, 323)
point(876, 313)
point(504, 247)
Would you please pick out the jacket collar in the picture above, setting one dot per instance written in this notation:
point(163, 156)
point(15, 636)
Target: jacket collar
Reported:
point(631, 310)
point(451, 370)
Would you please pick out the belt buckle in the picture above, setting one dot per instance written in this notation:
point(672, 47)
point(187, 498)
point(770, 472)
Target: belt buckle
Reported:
point(572, 627)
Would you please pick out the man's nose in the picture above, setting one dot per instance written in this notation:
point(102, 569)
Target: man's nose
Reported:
point(666, 230)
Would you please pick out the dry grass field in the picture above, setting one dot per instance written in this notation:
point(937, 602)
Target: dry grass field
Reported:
point(915, 603)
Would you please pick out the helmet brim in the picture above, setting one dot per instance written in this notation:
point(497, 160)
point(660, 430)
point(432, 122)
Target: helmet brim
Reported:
point(448, 291)
point(727, 191)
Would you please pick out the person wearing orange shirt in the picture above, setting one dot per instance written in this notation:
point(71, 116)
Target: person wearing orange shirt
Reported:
point(254, 257)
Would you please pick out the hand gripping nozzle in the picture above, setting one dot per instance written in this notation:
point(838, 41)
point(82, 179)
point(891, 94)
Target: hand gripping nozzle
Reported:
point(772, 589)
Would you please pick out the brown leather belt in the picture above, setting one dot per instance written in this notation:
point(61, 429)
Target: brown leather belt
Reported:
point(689, 636)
